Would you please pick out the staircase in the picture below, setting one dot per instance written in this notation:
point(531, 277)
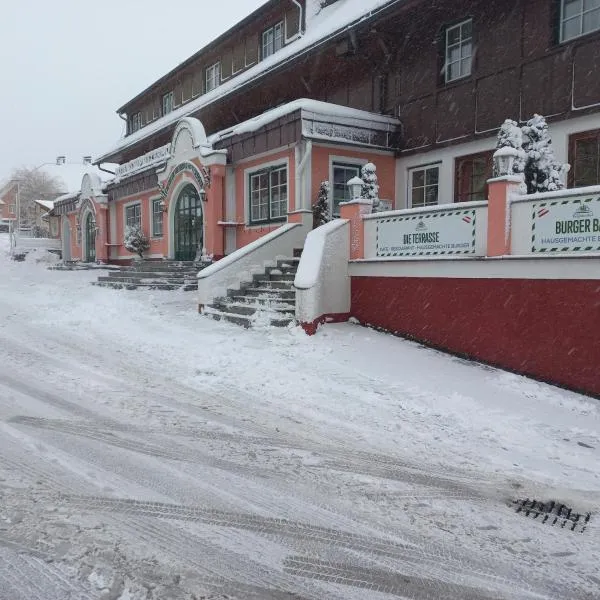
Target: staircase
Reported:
point(268, 300)
point(158, 275)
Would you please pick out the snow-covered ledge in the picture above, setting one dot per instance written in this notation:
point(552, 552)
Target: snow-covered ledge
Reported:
point(241, 265)
point(322, 282)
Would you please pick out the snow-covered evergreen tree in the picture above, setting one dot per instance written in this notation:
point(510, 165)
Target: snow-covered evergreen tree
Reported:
point(370, 189)
point(511, 136)
point(536, 160)
point(543, 172)
point(321, 206)
point(136, 241)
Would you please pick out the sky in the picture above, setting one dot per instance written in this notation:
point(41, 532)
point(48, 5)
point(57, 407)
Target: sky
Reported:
point(67, 65)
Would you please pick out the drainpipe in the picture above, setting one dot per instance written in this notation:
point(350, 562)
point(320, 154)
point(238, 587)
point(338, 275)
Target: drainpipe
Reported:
point(300, 167)
point(105, 170)
point(300, 20)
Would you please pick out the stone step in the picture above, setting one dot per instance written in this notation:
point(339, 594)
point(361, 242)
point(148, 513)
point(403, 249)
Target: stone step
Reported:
point(285, 263)
point(283, 277)
point(152, 274)
point(268, 292)
point(164, 265)
point(128, 276)
point(121, 285)
point(290, 270)
point(273, 284)
point(242, 308)
point(247, 320)
point(123, 278)
point(258, 300)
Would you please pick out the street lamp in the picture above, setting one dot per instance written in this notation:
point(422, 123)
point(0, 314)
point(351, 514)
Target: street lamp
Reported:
point(355, 186)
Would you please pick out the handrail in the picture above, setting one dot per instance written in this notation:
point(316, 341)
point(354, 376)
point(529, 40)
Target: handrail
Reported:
point(246, 250)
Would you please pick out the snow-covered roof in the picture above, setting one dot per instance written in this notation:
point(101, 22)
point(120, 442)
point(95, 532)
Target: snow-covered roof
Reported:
point(47, 204)
point(321, 25)
point(306, 106)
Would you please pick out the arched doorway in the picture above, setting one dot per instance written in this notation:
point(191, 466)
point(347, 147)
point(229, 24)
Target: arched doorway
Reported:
point(187, 221)
point(66, 239)
point(90, 238)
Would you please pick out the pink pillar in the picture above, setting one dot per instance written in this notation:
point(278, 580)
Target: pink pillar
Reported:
point(102, 234)
point(498, 234)
point(354, 211)
point(214, 242)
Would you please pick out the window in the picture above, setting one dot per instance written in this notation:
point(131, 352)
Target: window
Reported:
point(459, 50)
point(12, 209)
point(268, 195)
point(578, 17)
point(342, 174)
point(157, 218)
point(133, 216)
point(213, 76)
point(424, 186)
point(584, 156)
point(472, 173)
point(272, 40)
point(136, 122)
point(167, 103)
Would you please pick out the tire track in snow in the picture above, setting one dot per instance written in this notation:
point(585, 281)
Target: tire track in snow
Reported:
point(387, 582)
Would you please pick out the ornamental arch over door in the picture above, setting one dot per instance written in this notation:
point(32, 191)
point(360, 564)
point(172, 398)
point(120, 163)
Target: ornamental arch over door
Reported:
point(188, 224)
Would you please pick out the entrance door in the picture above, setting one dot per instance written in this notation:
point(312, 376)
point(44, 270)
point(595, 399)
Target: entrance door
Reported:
point(188, 224)
point(90, 238)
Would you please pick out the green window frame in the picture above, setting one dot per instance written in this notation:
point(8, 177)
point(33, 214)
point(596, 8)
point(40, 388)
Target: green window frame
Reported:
point(268, 191)
point(342, 174)
point(133, 215)
point(157, 218)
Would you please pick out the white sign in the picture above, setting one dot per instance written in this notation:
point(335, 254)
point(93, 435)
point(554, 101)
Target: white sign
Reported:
point(154, 157)
point(566, 226)
point(435, 233)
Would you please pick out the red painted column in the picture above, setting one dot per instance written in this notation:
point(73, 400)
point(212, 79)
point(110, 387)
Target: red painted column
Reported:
point(499, 226)
point(214, 242)
point(102, 234)
point(354, 211)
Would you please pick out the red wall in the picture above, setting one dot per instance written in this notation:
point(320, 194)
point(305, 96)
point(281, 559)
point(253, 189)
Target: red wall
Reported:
point(547, 329)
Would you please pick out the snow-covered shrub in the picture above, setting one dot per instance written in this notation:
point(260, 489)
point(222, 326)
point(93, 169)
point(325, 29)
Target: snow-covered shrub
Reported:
point(543, 172)
point(135, 241)
point(370, 189)
point(536, 160)
point(321, 206)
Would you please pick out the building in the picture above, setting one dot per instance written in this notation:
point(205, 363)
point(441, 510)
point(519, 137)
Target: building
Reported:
point(236, 140)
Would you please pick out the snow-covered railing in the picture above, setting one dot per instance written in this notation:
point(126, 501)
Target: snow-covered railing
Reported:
point(322, 282)
point(556, 222)
point(241, 265)
point(441, 230)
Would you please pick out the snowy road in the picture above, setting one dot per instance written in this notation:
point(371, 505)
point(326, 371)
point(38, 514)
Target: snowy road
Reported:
point(150, 453)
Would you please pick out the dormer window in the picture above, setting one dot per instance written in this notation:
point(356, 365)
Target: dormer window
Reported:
point(272, 40)
point(135, 122)
point(167, 103)
point(213, 76)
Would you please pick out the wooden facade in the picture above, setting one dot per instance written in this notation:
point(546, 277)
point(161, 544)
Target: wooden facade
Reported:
point(393, 64)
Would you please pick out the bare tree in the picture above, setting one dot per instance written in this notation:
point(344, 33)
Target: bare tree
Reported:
point(34, 184)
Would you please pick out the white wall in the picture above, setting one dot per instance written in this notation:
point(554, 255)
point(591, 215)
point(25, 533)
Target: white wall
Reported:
point(322, 282)
point(445, 157)
point(481, 225)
